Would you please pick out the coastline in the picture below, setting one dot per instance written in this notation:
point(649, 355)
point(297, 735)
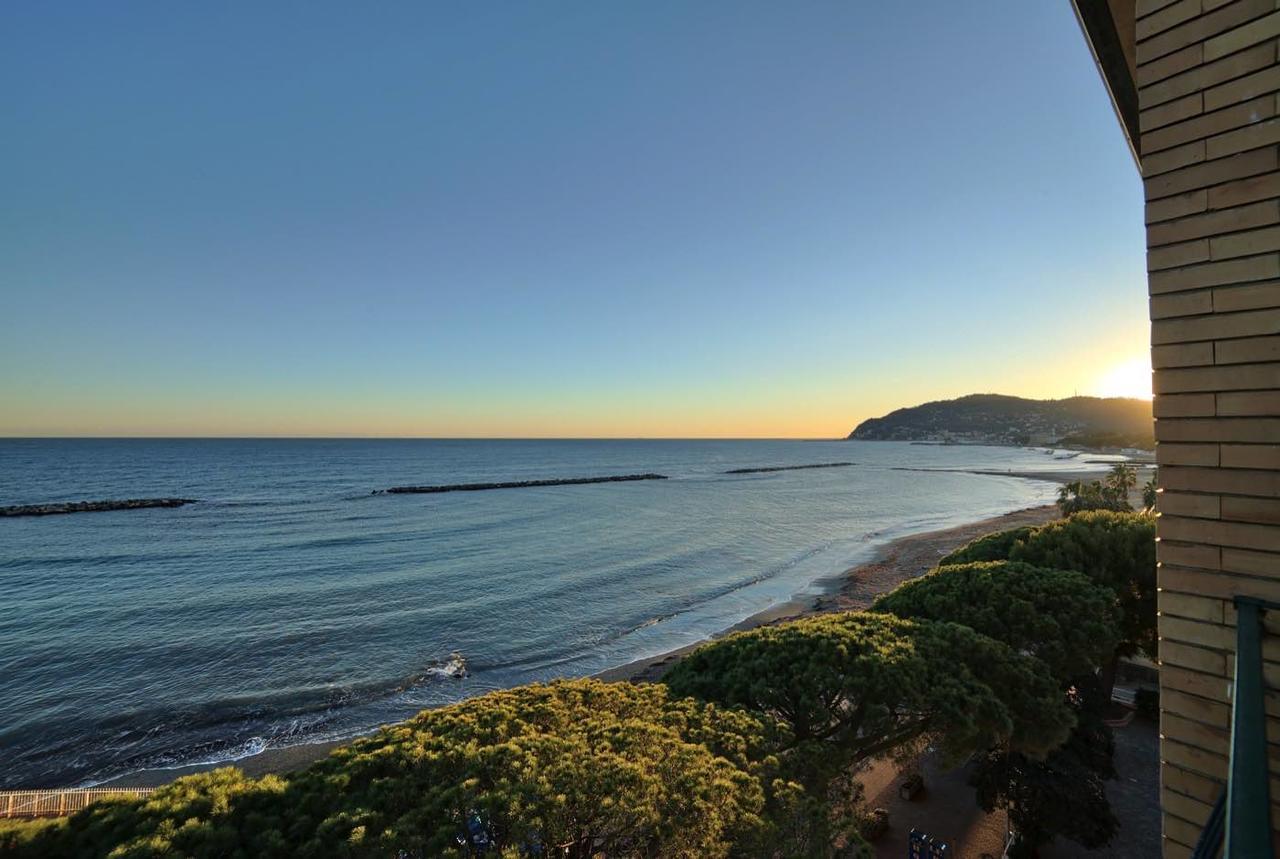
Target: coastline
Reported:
point(857, 587)
point(895, 562)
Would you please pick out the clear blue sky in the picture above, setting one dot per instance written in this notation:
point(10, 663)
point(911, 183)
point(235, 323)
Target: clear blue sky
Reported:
point(649, 218)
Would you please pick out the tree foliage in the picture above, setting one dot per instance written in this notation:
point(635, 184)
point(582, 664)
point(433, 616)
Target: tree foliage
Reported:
point(1115, 550)
point(1121, 479)
point(200, 815)
point(1111, 493)
point(587, 767)
point(849, 687)
point(842, 689)
point(989, 547)
point(1059, 616)
point(1150, 493)
point(16, 834)
point(1063, 794)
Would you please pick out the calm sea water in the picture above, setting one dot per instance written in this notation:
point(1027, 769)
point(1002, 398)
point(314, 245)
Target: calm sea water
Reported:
point(292, 606)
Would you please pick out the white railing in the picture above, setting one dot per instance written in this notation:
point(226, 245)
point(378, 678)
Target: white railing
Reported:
point(59, 803)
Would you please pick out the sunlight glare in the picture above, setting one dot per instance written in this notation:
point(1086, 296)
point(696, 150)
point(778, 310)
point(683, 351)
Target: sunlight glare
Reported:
point(1129, 379)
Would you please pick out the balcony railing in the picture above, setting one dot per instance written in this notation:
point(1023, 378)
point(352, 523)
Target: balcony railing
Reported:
point(1240, 824)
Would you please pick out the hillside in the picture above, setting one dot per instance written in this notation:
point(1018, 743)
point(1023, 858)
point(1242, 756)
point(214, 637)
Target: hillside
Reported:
point(998, 419)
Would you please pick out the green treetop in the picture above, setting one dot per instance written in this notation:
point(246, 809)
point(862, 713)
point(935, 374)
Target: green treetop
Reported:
point(1059, 616)
point(1115, 550)
point(989, 547)
point(1110, 493)
point(859, 684)
point(584, 767)
point(1063, 795)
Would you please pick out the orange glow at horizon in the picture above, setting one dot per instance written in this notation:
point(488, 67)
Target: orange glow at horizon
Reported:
point(810, 401)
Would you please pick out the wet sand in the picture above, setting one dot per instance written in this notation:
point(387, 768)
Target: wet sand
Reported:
point(898, 561)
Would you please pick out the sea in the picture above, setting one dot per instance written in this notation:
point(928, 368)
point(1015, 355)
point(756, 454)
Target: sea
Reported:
point(293, 605)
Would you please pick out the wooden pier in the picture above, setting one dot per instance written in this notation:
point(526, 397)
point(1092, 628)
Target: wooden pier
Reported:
point(59, 803)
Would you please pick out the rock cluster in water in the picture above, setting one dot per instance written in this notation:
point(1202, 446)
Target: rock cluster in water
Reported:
point(92, 506)
point(516, 484)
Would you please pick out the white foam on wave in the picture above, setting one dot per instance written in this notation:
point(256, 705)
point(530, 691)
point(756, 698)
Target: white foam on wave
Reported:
point(297, 732)
point(455, 667)
point(247, 749)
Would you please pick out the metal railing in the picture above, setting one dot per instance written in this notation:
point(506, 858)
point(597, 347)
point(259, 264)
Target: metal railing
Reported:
point(1240, 824)
point(59, 803)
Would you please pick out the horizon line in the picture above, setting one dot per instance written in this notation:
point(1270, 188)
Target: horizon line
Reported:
point(409, 438)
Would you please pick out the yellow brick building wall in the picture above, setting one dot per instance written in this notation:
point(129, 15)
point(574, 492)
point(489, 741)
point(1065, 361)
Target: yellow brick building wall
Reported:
point(1209, 118)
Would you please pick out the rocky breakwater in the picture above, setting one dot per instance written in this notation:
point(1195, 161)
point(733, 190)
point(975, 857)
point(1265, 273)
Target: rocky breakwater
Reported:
point(92, 506)
point(515, 484)
point(766, 469)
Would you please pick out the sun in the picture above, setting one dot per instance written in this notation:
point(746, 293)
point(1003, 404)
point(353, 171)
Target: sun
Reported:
point(1129, 379)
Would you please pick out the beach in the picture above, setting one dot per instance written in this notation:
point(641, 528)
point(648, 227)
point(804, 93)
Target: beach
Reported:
point(895, 562)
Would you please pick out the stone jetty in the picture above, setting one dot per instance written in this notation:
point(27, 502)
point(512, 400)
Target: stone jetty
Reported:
point(92, 506)
point(516, 484)
point(765, 469)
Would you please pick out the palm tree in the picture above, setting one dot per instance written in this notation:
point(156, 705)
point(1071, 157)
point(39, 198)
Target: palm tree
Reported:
point(1122, 479)
point(1067, 491)
point(1150, 492)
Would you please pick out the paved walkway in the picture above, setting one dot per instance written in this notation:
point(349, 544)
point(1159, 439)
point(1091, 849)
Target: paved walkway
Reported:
point(1134, 796)
point(946, 808)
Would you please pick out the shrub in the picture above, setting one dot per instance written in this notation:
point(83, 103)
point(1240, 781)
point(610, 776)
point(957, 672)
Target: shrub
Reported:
point(16, 833)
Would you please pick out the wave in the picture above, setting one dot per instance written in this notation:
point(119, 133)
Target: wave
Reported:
point(218, 733)
point(683, 607)
point(645, 624)
point(453, 668)
point(360, 539)
point(96, 560)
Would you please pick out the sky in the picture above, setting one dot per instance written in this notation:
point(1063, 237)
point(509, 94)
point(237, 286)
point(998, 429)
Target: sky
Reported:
point(566, 219)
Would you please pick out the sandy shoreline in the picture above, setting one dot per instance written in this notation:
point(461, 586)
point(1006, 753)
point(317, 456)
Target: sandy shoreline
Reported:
point(897, 561)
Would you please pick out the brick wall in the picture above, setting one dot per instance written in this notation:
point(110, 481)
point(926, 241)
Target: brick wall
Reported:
point(1209, 114)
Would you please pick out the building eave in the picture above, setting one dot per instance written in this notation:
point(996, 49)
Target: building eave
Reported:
point(1112, 45)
